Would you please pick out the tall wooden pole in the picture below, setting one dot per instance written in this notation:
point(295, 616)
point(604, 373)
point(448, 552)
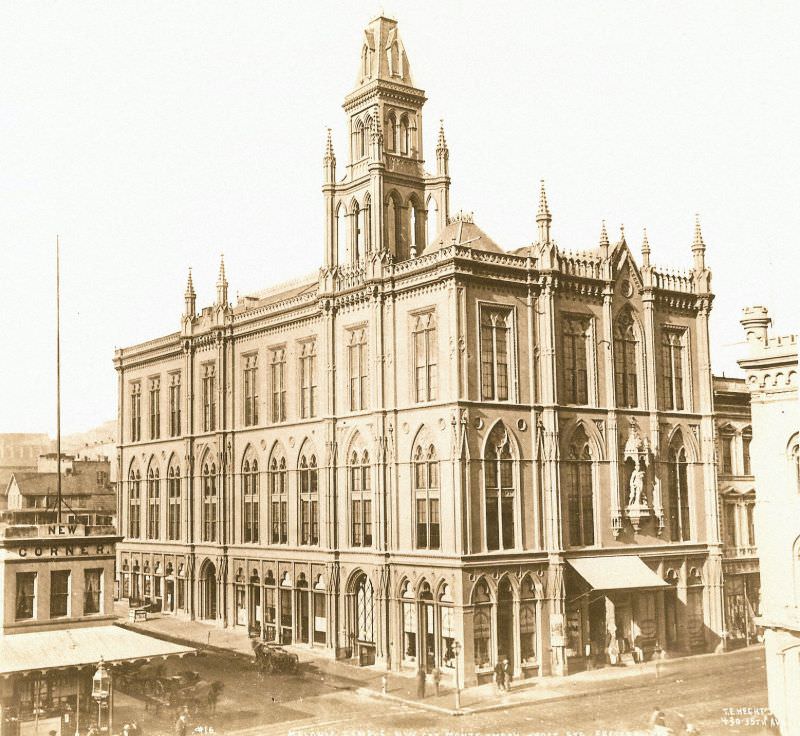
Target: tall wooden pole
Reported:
point(58, 382)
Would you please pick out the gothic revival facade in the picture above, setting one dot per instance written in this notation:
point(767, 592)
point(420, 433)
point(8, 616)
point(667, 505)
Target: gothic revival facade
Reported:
point(435, 452)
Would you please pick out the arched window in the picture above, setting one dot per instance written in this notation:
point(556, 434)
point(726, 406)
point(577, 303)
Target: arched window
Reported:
point(134, 504)
point(579, 491)
point(357, 369)
point(527, 622)
point(279, 505)
point(625, 350)
point(495, 353)
point(500, 490)
point(747, 438)
point(391, 130)
point(432, 220)
point(341, 235)
point(678, 505)
point(404, 135)
point(425, 358)
point(365, 62)
point(365, 611)
point(360, 500)
point(426, 494)
point(174, 501)
point(481, 624)
point(309, 500)
point(672, 354)
point(394, 240)
point(209, 520)
point(250, 501)
point(575, 349)
point(365, 227)
point(153, 503)
point(447, 629)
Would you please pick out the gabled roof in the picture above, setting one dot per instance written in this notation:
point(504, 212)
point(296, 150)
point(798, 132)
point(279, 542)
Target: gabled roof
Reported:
point(461, 230)
point(44, 484)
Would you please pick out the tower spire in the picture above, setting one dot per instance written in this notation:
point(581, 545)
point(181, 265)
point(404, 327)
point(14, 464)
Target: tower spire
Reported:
point(645, 250)
point(329, 161)
point(543, 217)
point(442, 153)
point(603, 240)
point(222, 282)
point(698, 246)
point(189, 297)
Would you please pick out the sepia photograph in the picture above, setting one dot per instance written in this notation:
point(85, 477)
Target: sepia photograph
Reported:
point(427, 369)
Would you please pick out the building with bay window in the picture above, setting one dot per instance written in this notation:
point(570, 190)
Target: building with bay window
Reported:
point(433, 439)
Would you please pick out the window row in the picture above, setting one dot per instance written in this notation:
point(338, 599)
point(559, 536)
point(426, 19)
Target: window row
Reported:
point(27, 591)
point(734, 458)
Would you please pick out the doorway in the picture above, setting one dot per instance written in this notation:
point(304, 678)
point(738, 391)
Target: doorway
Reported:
point(208, 591)
point(505, 622)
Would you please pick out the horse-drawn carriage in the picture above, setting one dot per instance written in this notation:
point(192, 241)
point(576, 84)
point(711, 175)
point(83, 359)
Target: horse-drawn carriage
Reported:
point(150, 683)
point(272, 658)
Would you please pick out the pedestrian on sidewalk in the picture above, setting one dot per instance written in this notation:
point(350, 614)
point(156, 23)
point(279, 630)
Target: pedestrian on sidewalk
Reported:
point(507, 674)
point(500, 676)
point(420, 683)
point(182, 724)
point(437, 678)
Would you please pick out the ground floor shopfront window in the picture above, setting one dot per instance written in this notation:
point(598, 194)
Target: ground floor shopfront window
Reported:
point(428, 627)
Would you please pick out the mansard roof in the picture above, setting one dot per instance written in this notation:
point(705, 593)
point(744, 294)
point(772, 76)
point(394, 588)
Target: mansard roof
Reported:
point(462, 230)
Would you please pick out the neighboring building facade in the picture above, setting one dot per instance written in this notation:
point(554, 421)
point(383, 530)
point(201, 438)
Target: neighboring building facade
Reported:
point(19, 453)
point(432, 439)
point(737, 501)
point(86, 490)
point(771, 369)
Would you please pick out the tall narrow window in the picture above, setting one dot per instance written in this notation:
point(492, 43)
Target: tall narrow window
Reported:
point(209, 397)
point(279, 506)
point(579, 492)
point(672, 349)
point(727, 440)
point(136, 412)
point(749, 510)
point(495, 353)
point(391, 137)
point(134, 504)
point(209, 521)
point(250, 501)
point(575, 348)
point(175, 405)
point(155, 408)
point(425, 358)
point(308, 380)
point(174, 501)
point(59, 593)
point(153, 503)
point(747, 438)
point(680, 530)
point(357, 251)
point(278, 373)
point(92, 591)
point(309, 500)
point(500, 490)
point(796, 464)
point(357, 368)
point(360, 500)
point(625, 349)
point(426, 494)
point(251, 390)
point(404, 138)
point(26, 596)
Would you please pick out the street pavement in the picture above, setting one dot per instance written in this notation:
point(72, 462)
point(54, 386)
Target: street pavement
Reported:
point(326, 698)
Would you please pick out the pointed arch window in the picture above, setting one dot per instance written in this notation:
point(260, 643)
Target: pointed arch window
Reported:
point(358, 236)
point(404, 135)
point(153, 503)
point(308, 379)
point(500, 490)
point(425, 357)
point(250, 502)
point(174, 502)
point(426, 495)
point(678, 507)
point(134, 504)
point(136, 411)
point(626, 347)
point(575, 350)
point(357, 368)
point(209, 516)
point(672, 358)
point(279, 505)
point(309, 500)
point(495, 353)
point(365, 610)
point(366, 225)
point(481, 624)
point(391, 125)
point(579, 492)
point(209, 397)
point(360, 500)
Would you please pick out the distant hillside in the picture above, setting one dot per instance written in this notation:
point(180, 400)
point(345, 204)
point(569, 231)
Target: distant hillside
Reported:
point(78, 442)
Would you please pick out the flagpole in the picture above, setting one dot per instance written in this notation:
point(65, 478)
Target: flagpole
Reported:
point(58, 382)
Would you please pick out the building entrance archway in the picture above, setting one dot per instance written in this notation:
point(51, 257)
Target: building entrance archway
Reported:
point(208, 591)
point(505, 622)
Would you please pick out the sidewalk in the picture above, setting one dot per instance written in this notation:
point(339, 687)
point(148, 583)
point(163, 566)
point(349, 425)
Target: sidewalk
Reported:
point(401, 688)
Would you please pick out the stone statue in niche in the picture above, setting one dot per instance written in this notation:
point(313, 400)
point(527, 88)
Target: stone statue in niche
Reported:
point(637, 487)
point(637, 450)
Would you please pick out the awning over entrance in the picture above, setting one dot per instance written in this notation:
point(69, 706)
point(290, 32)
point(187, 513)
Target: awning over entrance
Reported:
point(48, 650)
point(616, 572)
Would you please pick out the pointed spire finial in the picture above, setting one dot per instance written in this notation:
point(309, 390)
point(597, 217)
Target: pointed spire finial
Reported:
point(189, 297)
point(543, 217)
point(698, 247)
point(544, 208)
point(329, 147)
point(622, 233)
point(645, 249)
point(441, 142)
point(221, 278)
point(698, 233)
point(603, 235)
point(189, 284)
point(222, 282)
point(442, 153)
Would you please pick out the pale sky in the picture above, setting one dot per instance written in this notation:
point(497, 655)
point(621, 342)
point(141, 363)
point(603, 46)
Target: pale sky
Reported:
point(153, 136)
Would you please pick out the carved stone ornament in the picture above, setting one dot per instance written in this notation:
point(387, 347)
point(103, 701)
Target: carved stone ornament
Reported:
point(637, 449)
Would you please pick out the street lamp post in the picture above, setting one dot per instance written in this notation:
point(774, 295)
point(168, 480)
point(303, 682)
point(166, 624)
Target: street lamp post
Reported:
point(101, 692)
point(457, 651)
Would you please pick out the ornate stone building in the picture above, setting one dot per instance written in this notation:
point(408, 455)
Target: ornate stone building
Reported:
point(771, 369)
point(433, 439)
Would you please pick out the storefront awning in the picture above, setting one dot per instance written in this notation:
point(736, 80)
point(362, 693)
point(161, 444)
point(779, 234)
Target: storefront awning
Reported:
point(616, 572)
point(76, 647)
